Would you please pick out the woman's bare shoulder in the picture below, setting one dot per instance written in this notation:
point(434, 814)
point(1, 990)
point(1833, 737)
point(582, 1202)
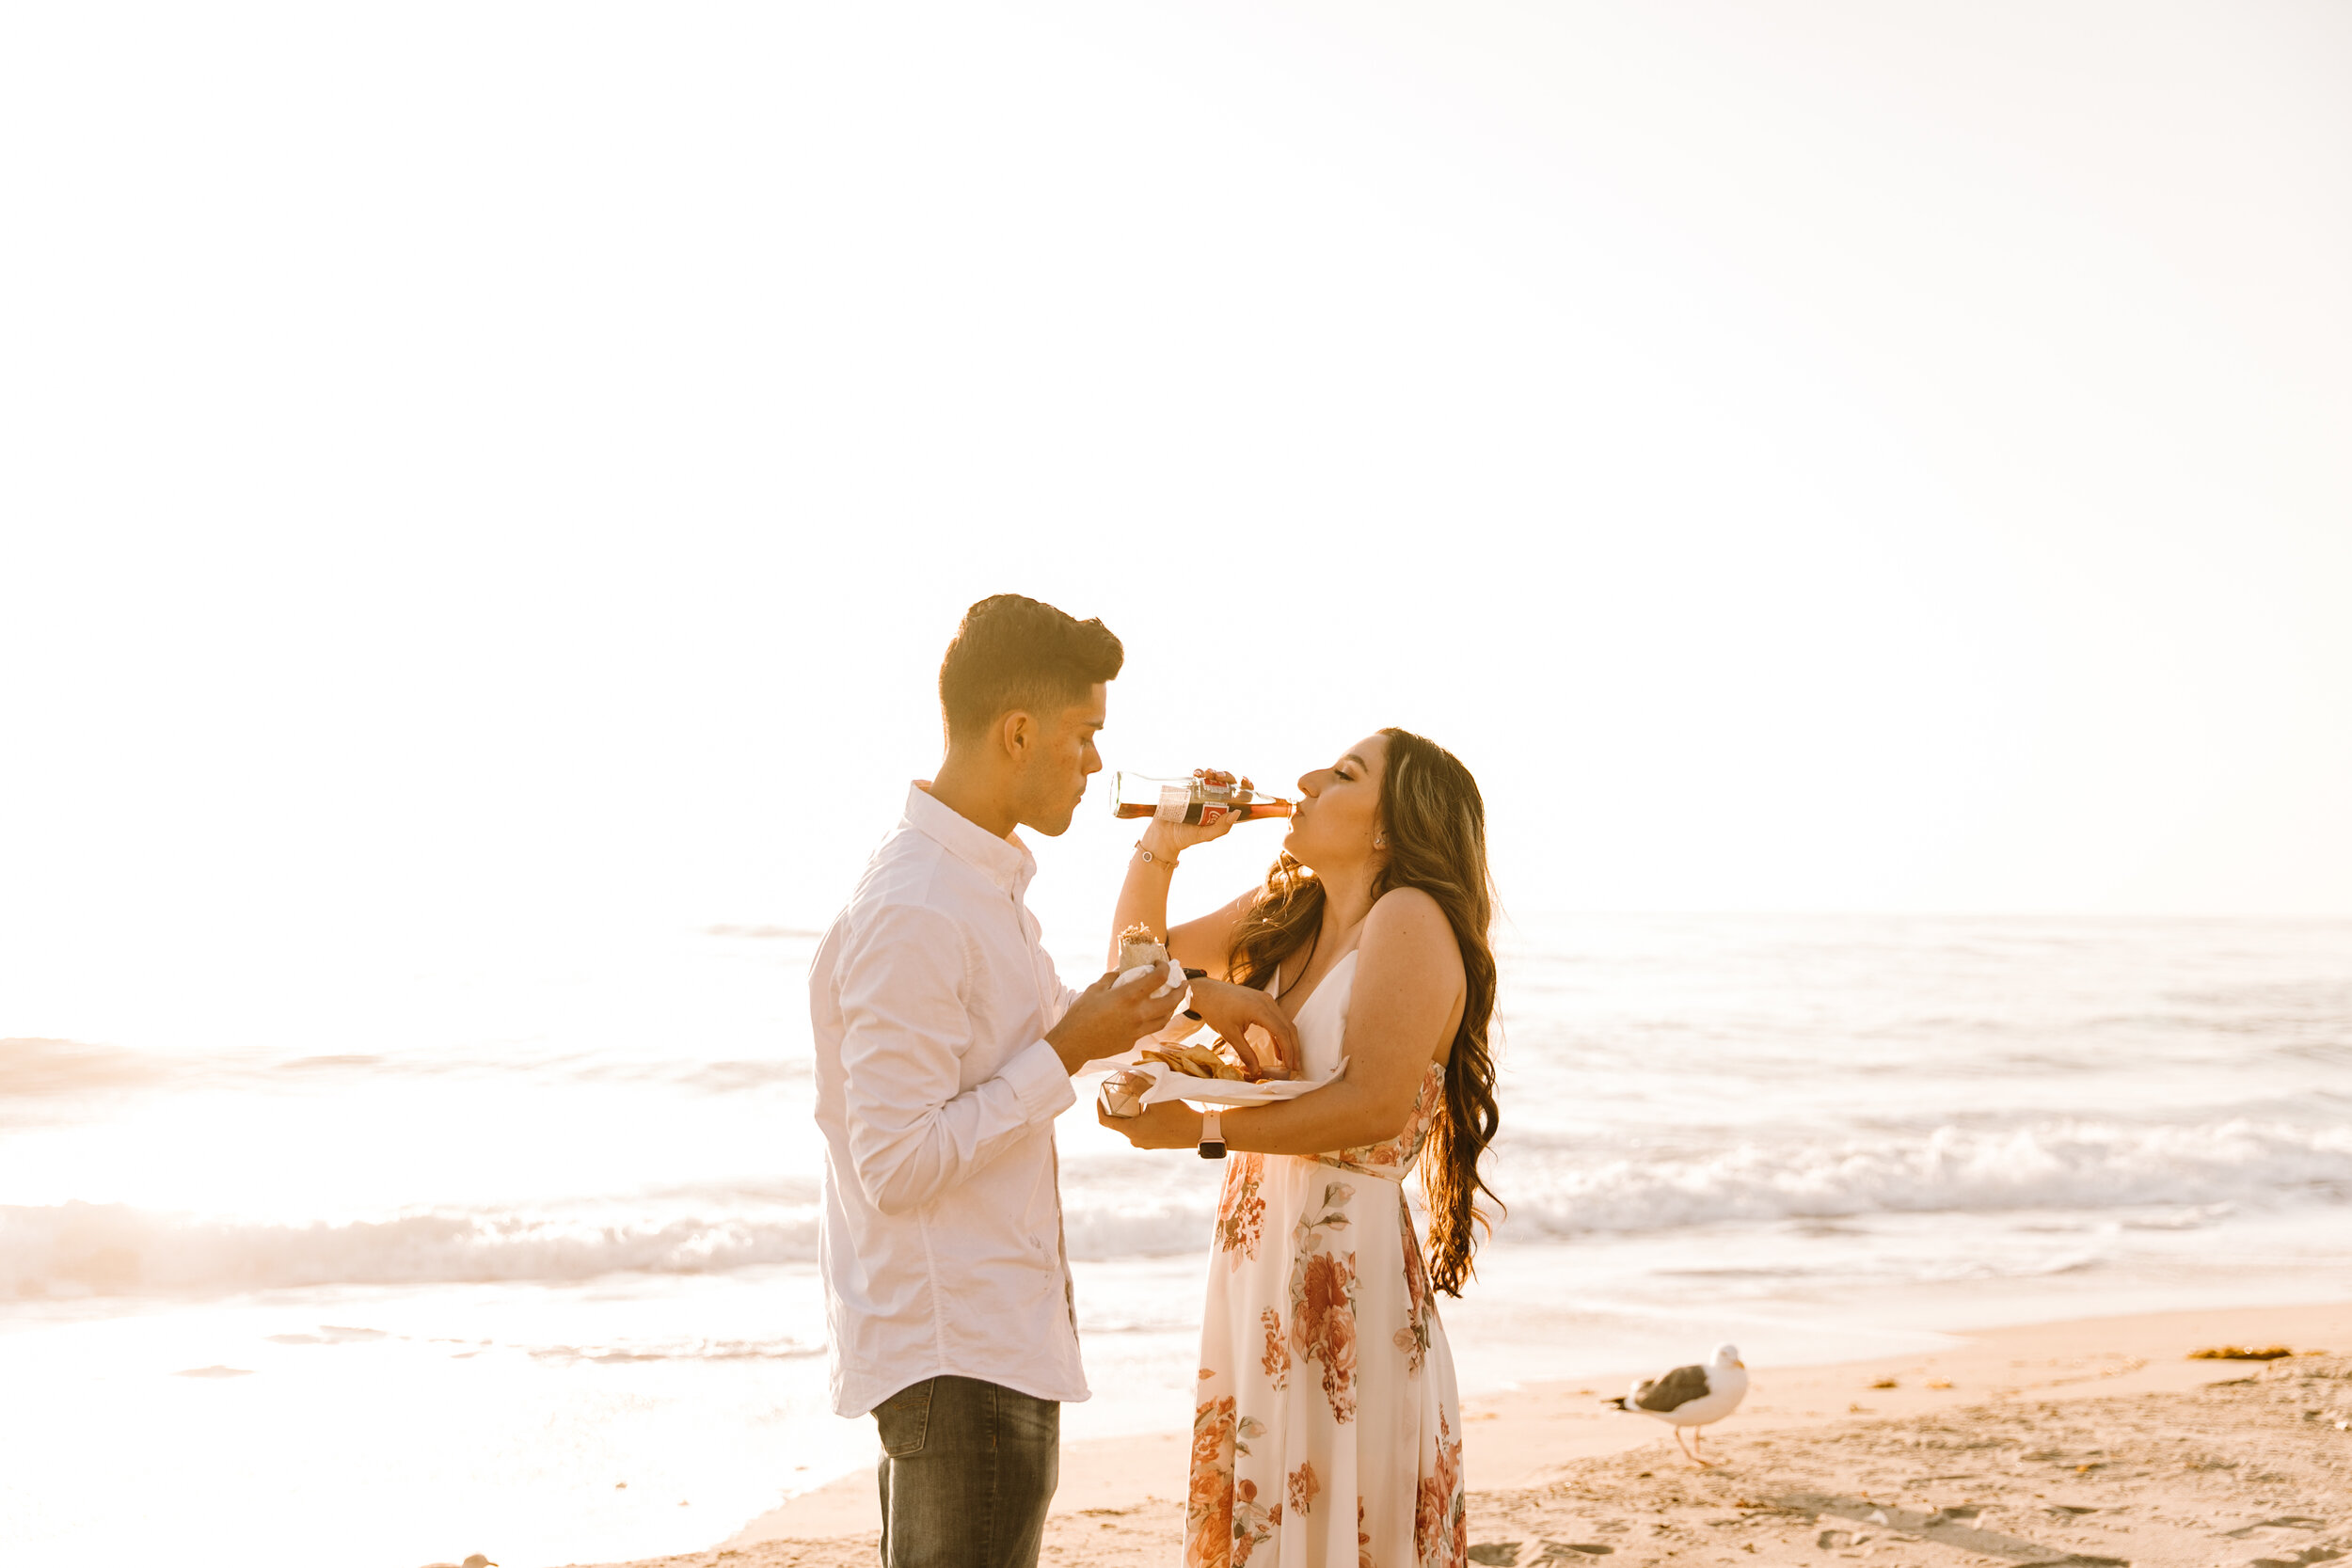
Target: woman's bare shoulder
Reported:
point(1406, 921)
point(1412, 966)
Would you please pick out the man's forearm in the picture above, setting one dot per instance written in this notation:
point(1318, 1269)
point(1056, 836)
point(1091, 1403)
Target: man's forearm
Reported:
point(905, 1156)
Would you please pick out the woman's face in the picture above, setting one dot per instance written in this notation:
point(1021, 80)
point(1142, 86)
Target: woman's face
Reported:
point(1338, 807)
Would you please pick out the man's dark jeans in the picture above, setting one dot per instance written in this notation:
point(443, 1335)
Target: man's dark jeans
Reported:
point(967, 1470)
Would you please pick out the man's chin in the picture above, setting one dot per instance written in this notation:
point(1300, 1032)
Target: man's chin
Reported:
point(1051, 827)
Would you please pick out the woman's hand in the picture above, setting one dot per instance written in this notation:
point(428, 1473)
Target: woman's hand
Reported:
point(1231, 1010)
point(1170, 1124)
point(1169, 839)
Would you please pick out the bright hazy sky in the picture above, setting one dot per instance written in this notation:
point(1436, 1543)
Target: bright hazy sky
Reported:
point(486, 463)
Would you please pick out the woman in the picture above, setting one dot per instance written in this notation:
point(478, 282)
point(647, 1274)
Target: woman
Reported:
point(1326, 1431)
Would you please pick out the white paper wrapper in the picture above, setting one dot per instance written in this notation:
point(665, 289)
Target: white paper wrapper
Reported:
point(1171, 980)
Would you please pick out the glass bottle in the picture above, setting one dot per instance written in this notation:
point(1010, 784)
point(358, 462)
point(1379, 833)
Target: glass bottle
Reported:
point(1206, 798)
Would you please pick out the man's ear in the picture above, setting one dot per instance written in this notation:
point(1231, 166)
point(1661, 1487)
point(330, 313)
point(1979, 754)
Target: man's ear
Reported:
point(1017, 734)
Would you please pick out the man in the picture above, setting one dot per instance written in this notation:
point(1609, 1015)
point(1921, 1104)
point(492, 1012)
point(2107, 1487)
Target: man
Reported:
point(945, 1044)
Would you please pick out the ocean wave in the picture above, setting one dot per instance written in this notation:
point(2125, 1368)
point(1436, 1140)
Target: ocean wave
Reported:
point(2067, 1165)
point(32, 1068)
point(1102, 1225)
point(693, 1350)
point(2164, 1178)
point(77, 1249)
point(86, 1249)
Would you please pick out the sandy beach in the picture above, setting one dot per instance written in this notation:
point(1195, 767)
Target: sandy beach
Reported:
point(2093, 1443)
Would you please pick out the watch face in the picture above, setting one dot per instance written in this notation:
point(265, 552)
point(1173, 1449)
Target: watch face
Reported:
point(1211, 1151)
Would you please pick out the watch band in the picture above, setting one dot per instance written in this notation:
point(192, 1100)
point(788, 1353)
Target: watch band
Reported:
point(1212, 1135)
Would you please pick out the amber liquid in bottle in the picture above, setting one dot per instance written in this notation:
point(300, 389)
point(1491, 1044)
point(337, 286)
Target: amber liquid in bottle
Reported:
point(1205, 797)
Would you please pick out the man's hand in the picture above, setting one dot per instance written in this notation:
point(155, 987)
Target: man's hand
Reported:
point(1107, 1020)
point(1170, 1124)
point(1231, 1009)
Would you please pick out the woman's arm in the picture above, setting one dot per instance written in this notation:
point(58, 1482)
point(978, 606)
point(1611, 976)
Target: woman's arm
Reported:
point(1208, 942)
point(1204, 944)
point(1409, 996)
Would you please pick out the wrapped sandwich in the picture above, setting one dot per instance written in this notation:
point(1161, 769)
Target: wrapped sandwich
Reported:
point(1137, 945)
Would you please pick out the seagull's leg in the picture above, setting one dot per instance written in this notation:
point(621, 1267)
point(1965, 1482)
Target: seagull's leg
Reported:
point(1696, 1434)
point(1679, 1444)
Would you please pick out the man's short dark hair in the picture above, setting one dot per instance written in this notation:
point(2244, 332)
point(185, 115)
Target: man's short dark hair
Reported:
point(1012, 653)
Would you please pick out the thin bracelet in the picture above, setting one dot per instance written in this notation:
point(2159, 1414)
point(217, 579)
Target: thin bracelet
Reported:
point(1170, 861)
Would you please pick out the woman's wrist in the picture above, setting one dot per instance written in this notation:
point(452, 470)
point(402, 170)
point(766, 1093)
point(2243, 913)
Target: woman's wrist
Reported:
point(1158, 849)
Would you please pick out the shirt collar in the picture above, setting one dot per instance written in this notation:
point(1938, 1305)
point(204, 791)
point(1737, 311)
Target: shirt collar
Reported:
point(1005, 861)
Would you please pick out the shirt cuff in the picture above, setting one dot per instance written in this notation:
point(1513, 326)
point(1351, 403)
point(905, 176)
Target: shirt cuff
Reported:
point(1040, 1085)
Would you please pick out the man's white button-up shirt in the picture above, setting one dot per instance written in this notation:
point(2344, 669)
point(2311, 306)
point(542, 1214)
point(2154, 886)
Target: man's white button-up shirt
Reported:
point(936, 1092)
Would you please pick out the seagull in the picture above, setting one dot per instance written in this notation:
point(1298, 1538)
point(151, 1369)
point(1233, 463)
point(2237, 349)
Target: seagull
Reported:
point(1691, 1397)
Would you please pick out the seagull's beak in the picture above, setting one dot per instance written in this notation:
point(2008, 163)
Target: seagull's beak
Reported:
point(1741, 1365)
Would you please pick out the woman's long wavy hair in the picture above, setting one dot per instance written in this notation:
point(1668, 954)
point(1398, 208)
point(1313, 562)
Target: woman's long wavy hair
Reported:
point(1435, 825)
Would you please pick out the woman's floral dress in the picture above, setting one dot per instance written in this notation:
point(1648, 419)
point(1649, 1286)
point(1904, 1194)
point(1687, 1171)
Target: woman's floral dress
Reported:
point(1326, 1431)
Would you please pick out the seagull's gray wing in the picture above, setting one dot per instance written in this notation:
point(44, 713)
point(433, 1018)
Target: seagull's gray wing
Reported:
point(1678, 1388)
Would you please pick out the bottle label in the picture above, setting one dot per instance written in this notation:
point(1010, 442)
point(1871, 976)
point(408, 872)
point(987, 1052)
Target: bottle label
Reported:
point(1184, 803)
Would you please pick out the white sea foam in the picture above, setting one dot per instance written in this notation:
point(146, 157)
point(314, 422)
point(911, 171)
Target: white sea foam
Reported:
point(2059, 1164)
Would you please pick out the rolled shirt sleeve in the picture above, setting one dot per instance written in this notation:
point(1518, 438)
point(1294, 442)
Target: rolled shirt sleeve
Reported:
point(915, 1129)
